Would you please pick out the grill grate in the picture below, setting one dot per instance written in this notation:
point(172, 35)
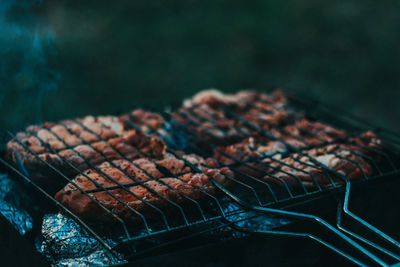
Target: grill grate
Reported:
point(249, 190)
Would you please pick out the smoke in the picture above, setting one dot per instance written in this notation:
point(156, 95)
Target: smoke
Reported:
point(27, 78)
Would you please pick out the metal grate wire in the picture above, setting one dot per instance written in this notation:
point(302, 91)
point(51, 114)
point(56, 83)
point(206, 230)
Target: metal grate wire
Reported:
point(249, 190)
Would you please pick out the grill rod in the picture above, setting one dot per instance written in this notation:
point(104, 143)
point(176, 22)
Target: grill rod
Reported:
point(346, 198)
point(58, 204)
point(295, 215)
point(362, 239)
point(345, 208)
point(299, 235)
point(308, 217)
point(288, 214)
point(347, 194)
point(348, 189)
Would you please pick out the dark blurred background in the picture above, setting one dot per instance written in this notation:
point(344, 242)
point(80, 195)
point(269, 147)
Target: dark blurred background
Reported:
point(71, 58)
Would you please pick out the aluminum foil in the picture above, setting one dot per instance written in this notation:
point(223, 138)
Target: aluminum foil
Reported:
point(65, 243)
point(250, 220)
point(62, 241)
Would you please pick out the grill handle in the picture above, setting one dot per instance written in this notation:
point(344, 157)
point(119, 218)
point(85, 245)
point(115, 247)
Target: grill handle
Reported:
point(363, 222)
point(311, 218)
point(300, 235)
point(343, 209)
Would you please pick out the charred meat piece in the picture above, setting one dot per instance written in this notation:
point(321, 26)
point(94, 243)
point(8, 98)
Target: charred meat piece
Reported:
point(322, 165)
point(147, 187)
point(350, 158)
point(145, 120)
point(74, 145)
point(208, 115)
point(240, 101)
point(306, 133)
point(301, 134)
point(235, 119)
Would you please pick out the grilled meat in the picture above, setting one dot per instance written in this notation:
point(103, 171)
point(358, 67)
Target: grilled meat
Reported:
point(209, 115)
point(74, 145)
point(203, 117)
point(264, 125)
point(300, 135)
point(147, 188)
point(305, 133)
point(324, 165)
point(145, 120)
point(240, 101)
point(125, 168)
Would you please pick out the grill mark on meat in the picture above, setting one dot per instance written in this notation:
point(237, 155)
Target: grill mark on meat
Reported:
point(202, 115)
point(345, 158)
point(350, 160)
point(165, 177)
point(68, 140)
point(300, 135)
point(187, 184)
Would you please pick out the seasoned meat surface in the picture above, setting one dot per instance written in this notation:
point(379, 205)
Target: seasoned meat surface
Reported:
point(323, 165)
point(301, 134)
point(212, 115)
point(128, 166)
point(74, 145)
point(145, 120)
point(240, 101)
point(246, 129)
point(226, 119)
point(147, 188)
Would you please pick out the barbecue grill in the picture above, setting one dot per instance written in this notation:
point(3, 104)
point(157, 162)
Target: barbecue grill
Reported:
point(248, 199)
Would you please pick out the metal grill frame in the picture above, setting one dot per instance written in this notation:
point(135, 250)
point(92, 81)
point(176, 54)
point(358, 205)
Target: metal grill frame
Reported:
point(262, 207)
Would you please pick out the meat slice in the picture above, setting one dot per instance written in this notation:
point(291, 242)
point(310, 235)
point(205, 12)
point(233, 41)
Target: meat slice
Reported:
point(211, 117)
point(240, 101)
point(147, 188)
point(242, 129)
point(257, 158)
point(300, 135)
point(145, 120)
point(306, 133)
point(349, 159)
point(207, 115)
point(74, 145)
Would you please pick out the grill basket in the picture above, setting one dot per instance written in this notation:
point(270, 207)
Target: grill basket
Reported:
point(251, 196)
